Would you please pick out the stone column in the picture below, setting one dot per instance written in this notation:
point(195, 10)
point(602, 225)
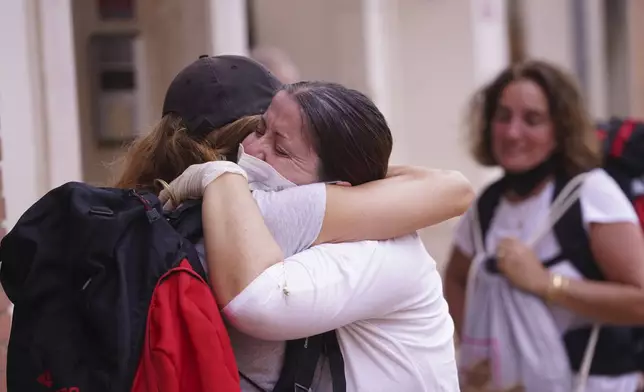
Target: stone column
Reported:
point(228, 27)
point(635, 14)
point(60, 92)
point(549, 31)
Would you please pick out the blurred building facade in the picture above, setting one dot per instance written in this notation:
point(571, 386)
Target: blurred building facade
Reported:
point(81, 78)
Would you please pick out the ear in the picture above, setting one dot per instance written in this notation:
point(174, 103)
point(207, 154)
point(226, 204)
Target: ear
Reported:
point(342, 183)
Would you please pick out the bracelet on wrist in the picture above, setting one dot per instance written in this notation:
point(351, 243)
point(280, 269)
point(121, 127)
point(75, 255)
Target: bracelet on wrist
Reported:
point(556, 286)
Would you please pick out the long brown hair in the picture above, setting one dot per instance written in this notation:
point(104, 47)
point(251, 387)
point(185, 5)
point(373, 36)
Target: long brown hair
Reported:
point(577, 144)
point(168, 150)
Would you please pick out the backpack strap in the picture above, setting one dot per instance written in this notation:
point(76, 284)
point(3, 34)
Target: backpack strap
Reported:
point(614, 345)
point(486, 207)
point(573, 239)
point(336, 361)
point(485, 210)
point(301, 360)
point(186, 220)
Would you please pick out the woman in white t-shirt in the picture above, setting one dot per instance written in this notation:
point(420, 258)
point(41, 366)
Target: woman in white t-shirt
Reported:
point(531, 121)
point(384, 297)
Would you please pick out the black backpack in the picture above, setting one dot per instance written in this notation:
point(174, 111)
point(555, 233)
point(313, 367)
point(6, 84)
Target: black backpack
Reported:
point(624, 158)
point(619, 350)
point(80, 267)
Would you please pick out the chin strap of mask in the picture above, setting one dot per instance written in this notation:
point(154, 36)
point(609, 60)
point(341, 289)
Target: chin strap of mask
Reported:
point(525, 182)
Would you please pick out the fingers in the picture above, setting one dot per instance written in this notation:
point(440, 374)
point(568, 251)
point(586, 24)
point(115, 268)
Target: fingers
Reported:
point(168, 206)
point(502, 249)
point(164, 196)
point(166, 200)
point(168, 192)
point(216, 169)
point(504, 254)
point(506, 247)
point(192, 183)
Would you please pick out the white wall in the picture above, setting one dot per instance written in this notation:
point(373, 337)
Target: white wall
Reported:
point(228, 27)
point(595, 60)
point(419, 60)
point(636, 58)
point(60, 92)
point(438, 76)
point(324, 38)
point(38, 105)
point(549, 31)
point(22, 166)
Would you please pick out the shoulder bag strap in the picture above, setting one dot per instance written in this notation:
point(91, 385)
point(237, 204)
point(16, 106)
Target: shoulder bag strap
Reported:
point(568, 196)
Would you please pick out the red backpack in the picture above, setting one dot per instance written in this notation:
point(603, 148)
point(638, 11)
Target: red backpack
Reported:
point(623, 144)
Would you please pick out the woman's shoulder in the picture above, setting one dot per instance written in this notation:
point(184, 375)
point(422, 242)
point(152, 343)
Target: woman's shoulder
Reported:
point(600, 187)
point(409, 250)
point(294, 216)
point(597, 179)
point(395, 252)
point(603, 200)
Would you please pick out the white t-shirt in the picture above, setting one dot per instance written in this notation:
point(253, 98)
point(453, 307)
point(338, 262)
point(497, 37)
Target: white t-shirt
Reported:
point(384, 298)
point(602, 201)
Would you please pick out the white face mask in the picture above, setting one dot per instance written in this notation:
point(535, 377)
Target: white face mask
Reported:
point(261, 175)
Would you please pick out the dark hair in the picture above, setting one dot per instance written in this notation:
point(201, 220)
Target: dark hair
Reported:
point(348, 132)
point(169, 149)
point(578, 148)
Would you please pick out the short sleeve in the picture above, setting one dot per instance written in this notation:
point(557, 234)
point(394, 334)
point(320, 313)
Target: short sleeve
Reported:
point(294, 216)
point(602, 200)
point(463, 239)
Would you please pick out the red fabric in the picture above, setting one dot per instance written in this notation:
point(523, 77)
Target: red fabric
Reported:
point(639, 208)
point(621, 138)
point(186, 345)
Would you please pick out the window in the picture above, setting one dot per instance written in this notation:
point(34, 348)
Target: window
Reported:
point(116, 9)
point(115, 89)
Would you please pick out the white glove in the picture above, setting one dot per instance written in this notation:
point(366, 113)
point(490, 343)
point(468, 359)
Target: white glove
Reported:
point(192, 183)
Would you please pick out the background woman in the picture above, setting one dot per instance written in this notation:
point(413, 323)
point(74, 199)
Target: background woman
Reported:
point(531, 121)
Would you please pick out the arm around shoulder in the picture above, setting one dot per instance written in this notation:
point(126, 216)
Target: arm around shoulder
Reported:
point(329, 286)
point(239, 246)
point(409, 199)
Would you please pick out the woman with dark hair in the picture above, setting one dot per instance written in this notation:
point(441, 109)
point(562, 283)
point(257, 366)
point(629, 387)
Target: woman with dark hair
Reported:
point(384, 298)
point(531, 121)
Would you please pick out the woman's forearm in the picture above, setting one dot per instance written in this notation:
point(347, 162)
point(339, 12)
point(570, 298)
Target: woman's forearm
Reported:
point(448, 195)
point(438, 194)
point(606, 302)
point(239, 247)
point(409, 199)
point(455, 297)
point(456, 274)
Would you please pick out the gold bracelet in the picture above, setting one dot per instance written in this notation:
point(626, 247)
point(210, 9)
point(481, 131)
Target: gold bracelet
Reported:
point(558, 283)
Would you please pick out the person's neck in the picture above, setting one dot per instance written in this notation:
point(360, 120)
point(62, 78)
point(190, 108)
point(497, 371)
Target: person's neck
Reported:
point(522, 185)
point(513, 197)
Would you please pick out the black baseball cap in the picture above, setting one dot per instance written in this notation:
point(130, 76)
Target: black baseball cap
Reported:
point(215, 91)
